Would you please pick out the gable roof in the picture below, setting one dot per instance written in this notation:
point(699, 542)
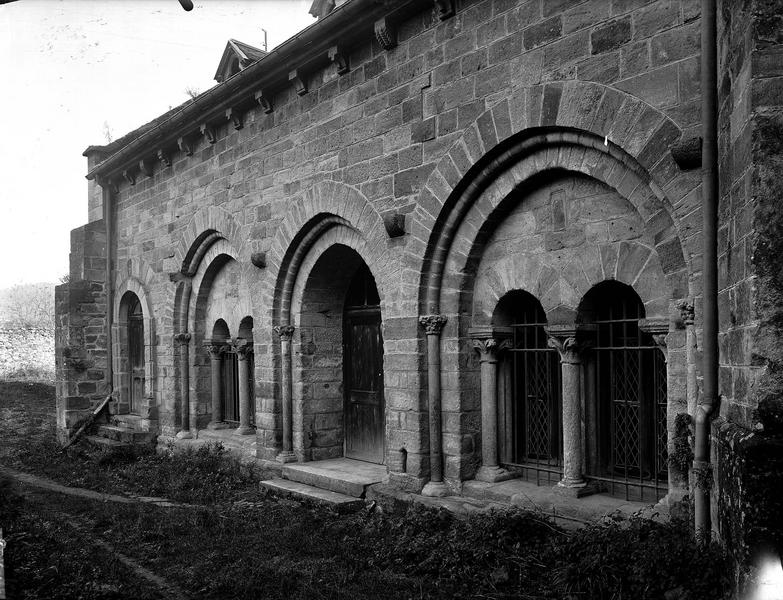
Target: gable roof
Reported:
point(245, 54)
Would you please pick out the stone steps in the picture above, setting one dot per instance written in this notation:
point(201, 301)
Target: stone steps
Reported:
point(105, 443)
point(344, 476)
point(301, 491)
point(124, 434)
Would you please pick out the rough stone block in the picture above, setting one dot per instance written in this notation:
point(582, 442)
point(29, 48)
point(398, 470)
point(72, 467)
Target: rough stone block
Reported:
point(610, 36)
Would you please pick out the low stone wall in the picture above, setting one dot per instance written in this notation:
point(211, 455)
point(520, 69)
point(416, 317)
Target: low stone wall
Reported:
point(26, 353)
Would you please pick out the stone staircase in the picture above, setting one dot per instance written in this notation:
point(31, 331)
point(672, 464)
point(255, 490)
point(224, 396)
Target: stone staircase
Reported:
point(339, 483)
point(123, 431)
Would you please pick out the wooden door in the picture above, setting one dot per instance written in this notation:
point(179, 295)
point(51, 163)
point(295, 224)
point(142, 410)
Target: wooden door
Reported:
point(136, 356)
point(363, 384)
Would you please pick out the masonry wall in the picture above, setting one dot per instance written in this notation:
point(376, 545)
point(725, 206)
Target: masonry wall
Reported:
point(378, 132)
point(747, 434)
point(81, 329)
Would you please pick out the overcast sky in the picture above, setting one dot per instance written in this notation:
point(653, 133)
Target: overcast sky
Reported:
point(73, 69)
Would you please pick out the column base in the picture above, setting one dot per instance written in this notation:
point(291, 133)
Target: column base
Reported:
point(184, 435)
point(435, 489)
point(216, 425)
point(286, 456)
point(244, 430)
point(493, 474)
point(574, 489)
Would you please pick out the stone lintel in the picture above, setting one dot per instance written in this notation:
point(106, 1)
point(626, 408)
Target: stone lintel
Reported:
point(296, 78)
point(385, 34)
point(130, 175)
point(264, 102)
point(164, 157)
point(185, 145)
point(146, 166)
point(394, 223)
point(340, 58)
point(258, 259)
point(687, 153)
point(445, 9)
point(236, 117)
point(208, 132)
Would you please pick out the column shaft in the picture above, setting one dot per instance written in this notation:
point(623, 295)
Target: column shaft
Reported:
point(245, 396)
point(183, 339)
point(286, 332)
point(572, 425)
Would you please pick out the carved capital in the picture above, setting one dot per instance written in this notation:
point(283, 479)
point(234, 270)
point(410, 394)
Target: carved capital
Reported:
point(296, 78)
point(164, 157)
point(185, 146)
point(490, 348)
point(243, 348)
point(208, 132)
point(264, 102)
point(182, 338)
point(286, 332)
point(687, 312)
point(216, 350)
point(385, 34)
point(340, 59)
point(236, 117)
point(567, 346)
point(145, 166)
point(445, 9)
point(433, 324)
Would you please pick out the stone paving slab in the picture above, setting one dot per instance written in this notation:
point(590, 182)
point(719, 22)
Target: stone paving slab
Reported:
point(342, 475)
point(295, 489)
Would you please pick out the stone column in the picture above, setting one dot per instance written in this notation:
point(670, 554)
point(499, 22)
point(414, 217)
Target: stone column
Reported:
point(286, 333)
point(433, 325)
point(216, 351)
point(183, 339)
point(489, 343)
point(691, 355)
point(244, 351)
point(564, 341)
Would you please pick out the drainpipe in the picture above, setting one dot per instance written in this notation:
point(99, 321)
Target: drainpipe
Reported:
point(709, 112)
point(106, 199)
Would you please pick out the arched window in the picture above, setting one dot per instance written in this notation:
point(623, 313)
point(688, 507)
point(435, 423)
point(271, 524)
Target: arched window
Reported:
point(629, 391)
point(532, 404)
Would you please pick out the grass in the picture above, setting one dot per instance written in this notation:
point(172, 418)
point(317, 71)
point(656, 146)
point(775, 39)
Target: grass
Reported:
point(272, 548)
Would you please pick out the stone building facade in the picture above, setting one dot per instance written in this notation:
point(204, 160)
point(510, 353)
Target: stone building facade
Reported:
point(459, 239)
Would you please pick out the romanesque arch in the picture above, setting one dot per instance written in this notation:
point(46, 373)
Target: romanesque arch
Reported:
point(537, 136)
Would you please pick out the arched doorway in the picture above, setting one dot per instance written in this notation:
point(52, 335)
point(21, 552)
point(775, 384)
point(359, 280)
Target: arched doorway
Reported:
point(135, 351)
point(338, 399)
point(363, 370)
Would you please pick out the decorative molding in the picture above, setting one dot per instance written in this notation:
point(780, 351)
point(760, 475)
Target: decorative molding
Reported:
point(208, 132)
point(258, 259)
point(145, 166)
point(654, 326)
point(243, 348)
point(182, 338)
point(264, 102)
point(490, 348)
point(445, 9)
point(687, 312)
point(339, 58)
point(433, 324)
point(385, 34)
point(286, 332)
point(185, 146)
point(236, 117)
point(394, 223)
point(299, 84)
point(164, 157)
point(687, 153)
point(129, 175)
point(215, 349)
